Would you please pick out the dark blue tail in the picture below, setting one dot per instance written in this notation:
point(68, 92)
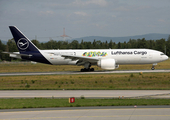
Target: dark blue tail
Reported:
point(22, 42)
point(26, 48)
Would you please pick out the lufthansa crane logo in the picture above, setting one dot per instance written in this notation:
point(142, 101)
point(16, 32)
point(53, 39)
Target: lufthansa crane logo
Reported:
point(22, 43)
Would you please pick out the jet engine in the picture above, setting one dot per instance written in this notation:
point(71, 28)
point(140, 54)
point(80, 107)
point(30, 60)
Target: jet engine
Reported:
point(108, 64)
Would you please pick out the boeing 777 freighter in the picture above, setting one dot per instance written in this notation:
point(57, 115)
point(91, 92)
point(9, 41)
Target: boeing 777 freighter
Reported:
point(108, 59)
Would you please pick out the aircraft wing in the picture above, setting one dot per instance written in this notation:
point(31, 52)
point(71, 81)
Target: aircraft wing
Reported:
point(81, 59)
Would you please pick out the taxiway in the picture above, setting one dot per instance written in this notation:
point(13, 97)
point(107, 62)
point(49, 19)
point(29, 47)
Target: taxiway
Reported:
point(95, 113)
point(85, 93)
point(78, 72)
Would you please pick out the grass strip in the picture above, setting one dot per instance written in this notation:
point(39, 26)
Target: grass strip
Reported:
point(136, 81)
point(46, 102)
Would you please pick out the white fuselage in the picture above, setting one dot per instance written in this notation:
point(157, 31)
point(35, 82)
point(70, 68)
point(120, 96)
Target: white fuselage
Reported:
point(121, 56)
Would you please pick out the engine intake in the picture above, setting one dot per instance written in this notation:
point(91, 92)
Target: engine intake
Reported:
point(108, 64)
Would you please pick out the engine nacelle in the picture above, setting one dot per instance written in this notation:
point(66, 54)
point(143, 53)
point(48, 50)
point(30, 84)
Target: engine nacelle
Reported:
point(108, 64)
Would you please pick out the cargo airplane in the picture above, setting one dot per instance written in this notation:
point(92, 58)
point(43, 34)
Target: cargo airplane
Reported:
point(108, 59)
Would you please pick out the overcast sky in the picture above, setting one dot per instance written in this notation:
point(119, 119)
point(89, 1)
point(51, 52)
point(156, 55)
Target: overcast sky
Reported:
point(111, 18)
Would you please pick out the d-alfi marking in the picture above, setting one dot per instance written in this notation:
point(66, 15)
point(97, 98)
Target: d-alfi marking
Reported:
point(108, 59)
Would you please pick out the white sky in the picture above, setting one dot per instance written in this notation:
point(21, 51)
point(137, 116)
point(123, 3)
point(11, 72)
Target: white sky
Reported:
point(111, 18)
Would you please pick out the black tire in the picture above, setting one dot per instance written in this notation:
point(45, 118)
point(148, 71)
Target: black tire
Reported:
point(152, 68)
point(87, 70)
point(92, 69)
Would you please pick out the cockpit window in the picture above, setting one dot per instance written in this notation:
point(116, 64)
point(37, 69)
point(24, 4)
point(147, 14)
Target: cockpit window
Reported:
point(162, 54)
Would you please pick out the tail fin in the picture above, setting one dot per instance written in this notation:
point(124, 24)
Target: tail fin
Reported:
point(26, 48)
point(22, 42)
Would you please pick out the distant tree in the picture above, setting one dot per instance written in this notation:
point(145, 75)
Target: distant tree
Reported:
point(88, 45)
point(110, 44)
point(53, 45)
point(141, 43)
point(106, 45)
point(43, 46)
point(2, 46)
point(151, 44)
point(65, 45)
point(81, 46)
point(74, 44)
point(36, 43)
point(57, 45)
point(124, 45)
point(132, 43)
point(168, 46)
point(11, 46)
point(160, 45)
point(94, 44)
point(98, 44)
point(114, 45)
point(119, 45)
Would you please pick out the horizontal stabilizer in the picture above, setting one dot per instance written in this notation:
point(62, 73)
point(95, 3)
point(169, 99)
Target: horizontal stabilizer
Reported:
point(17, 54)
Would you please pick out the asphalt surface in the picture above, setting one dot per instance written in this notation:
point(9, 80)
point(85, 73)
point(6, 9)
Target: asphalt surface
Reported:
point(85, 93)
point(78, 72)
point(90, 113)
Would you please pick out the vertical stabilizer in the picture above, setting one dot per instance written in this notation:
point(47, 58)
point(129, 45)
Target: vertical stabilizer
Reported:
point(27, 49)
point(22, 42)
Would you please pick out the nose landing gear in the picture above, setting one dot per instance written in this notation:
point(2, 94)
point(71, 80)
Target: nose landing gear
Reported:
point(153, 66)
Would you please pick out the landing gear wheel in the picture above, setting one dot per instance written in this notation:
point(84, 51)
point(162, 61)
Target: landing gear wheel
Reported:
point(84, 70)
point(92, 69)
point(87, 70)
point(153, 68)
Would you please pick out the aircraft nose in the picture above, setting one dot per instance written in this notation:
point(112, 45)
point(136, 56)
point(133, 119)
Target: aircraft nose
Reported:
point(166, 57)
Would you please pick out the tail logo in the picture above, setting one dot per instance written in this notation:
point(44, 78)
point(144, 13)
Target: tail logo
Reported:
point(23, 44)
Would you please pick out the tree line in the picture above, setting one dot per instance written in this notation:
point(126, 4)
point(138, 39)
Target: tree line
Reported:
point(160, 45)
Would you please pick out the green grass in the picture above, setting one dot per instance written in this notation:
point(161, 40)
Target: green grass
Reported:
point(132, 81)
point(44, 102)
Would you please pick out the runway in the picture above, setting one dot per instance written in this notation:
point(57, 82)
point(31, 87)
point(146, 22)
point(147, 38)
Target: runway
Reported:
point(90, 113)
point(85, 93)
point(78, 72)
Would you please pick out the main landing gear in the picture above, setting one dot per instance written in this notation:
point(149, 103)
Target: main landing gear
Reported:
point(153, 66)
point(87, 68)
